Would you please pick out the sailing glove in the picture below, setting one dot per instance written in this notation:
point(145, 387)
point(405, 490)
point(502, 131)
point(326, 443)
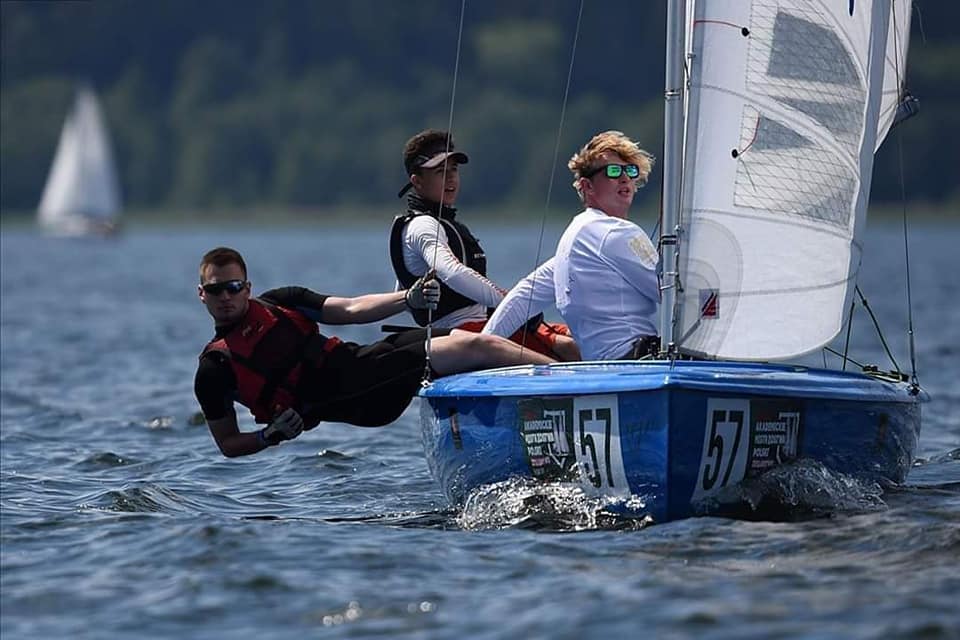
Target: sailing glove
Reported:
point(286, 426)
point(424, 293)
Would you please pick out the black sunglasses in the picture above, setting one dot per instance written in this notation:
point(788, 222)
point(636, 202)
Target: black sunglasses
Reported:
point(614, 171)
point(233, 287)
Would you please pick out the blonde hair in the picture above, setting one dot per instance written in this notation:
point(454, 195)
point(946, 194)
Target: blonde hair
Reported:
point(588, 157)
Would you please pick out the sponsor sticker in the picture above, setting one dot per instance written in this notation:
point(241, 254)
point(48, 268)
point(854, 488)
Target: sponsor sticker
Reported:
point(709, 303)
point(774, 434)
point(567, 438)
point(545, 427)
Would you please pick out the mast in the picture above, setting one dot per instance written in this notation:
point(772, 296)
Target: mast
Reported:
point(672, 169)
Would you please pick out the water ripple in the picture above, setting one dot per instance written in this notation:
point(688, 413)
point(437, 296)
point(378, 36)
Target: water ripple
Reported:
point(121, 519)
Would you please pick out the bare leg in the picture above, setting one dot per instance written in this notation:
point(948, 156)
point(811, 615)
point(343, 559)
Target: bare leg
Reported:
point(566, 349)
point(466, 351)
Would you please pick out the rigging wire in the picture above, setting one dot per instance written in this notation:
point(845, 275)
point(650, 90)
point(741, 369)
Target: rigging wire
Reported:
point(903, 203)
point(553, 165)
point(845, 358)
point(846, 342)
point(906, 251)
point(914, 380)
point(443, 181)
point(876, 324)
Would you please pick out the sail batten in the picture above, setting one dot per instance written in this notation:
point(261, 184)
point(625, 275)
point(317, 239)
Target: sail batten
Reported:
point(783, 118)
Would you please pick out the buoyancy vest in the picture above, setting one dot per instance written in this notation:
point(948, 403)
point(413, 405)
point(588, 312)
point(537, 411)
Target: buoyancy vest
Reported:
point(462, 243)
point(267, 351)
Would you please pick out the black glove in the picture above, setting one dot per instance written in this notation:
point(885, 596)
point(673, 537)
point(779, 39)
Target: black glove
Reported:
point(286, 426)
point(424, 293)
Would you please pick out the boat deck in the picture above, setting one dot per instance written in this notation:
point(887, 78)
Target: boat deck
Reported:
point(705, 375)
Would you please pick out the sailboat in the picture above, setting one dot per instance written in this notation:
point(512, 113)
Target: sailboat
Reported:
point(774, 109)
point(82, 194)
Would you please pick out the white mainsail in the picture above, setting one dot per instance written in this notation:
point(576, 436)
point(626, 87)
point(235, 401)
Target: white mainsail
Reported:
point(783, 118)
point(82, 192)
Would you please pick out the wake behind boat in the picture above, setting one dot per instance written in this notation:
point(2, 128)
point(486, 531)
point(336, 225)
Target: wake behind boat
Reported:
point(768, 162)
point(82, 194)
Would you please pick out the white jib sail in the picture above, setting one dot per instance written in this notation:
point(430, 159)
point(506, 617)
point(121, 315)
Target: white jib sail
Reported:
point(898, 41)
point(82, 183)
point(782, 123)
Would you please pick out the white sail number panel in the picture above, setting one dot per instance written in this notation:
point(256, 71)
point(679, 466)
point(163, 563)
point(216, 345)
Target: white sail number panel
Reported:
point(742, 438)
point(566, 438)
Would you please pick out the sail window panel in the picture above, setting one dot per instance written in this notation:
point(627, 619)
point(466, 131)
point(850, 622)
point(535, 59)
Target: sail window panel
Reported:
point(798, 154)
point(842, 119)
point(805, 50)
point(798, 60)
point(784, 172)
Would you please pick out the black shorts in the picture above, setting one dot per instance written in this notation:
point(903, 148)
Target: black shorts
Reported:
point(368, 385)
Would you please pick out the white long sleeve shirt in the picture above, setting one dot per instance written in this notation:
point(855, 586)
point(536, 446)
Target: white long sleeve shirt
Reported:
point(603, 280)
point(425, 244)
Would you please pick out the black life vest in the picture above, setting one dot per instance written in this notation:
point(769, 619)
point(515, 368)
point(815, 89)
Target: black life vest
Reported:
point(462, 243)
point(267, 351)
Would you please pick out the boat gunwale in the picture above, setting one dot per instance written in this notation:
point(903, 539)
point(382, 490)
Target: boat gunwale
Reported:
point(728, 377)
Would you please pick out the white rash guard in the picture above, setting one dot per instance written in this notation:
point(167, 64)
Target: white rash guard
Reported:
point(603, 280)
point(425, 241)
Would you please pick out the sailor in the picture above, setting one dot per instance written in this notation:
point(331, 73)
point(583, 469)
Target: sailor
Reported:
point(430, 236)
point(603, 277)
point(268, 355)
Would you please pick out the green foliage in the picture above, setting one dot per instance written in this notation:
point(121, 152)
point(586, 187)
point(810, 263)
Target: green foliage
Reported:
point(307, 103)
point(520, 57)
point(31, 114)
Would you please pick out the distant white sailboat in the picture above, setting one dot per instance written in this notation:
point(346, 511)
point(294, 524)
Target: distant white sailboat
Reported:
point(82, 194)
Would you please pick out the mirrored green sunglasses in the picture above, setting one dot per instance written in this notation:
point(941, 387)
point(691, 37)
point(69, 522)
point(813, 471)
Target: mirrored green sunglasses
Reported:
point(614, 171)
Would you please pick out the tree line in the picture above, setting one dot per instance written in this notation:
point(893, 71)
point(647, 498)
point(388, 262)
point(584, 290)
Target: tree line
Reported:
point(307, 103)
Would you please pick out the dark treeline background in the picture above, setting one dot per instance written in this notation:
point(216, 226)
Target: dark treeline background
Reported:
point(240, 105)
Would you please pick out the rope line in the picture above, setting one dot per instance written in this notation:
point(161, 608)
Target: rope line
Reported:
point(903, 204)
point(845, 358)
point(744, 31)
point(876, 324)
point(427, 369)
point(553, 166)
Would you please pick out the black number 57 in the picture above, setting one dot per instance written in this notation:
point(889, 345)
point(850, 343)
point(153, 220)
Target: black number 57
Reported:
point(588, 446)
point(715, 451)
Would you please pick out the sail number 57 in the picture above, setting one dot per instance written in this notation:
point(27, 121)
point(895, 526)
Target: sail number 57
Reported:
point(597, 445)
point(724, 427)
point(725, 444)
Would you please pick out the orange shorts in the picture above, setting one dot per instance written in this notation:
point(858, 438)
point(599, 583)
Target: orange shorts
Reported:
point(543, 340)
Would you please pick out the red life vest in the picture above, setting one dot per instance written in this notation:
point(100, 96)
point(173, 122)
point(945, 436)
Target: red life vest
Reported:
point(267, 350)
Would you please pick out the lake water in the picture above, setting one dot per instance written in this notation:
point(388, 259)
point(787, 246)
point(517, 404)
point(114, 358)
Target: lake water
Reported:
point(121, 519)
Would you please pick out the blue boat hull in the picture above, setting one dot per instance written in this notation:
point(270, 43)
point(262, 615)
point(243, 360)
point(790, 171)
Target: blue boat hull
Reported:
point(682, 434)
